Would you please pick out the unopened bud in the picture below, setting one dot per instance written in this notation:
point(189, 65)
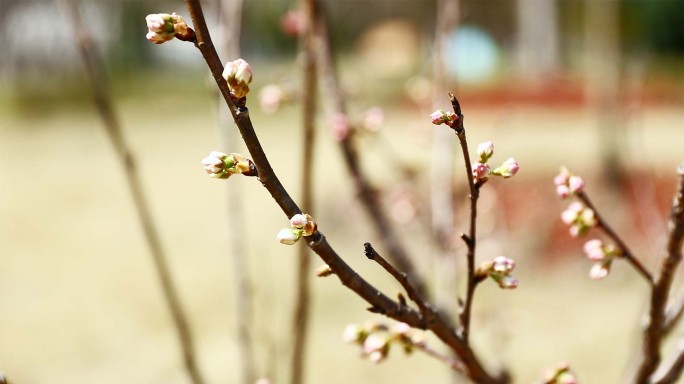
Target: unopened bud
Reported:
point(481, 171)
point(568, 184)
point(289, 236)
point(238, 74)
point(508, 169)
point(485, 151)
point(163, 27)
point(353, 334)
point(324, 271)
point(441, 116)
point(304, 222)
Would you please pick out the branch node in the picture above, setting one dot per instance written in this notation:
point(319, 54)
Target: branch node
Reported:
point(369, 251)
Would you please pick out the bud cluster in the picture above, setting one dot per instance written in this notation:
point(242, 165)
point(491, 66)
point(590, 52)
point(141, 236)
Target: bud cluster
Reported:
point(482, 170)
point(602, 255)
point(163, 27)
point(301, 224)
point(220, 165)
point(238, 74)
point(375, 339)
point(568, 184)
point(580, 218)
point(499, 269)
point(441, 116)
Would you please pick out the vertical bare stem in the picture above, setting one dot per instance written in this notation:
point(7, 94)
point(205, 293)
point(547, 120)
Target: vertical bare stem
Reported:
point(470, 239)
point(303, 301)
point(95, 72)
point(653, 334)
point(230, 23)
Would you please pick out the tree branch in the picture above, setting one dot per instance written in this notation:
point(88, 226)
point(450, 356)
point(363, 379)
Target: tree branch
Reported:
point(653, 334)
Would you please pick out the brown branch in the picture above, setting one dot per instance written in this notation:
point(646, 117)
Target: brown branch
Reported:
point(94, 71)
point(303, 301)
point(425, 309)
point(471, 238)
point(367, 194)
point(653, 334)
point(379, 302)
point(608, 230)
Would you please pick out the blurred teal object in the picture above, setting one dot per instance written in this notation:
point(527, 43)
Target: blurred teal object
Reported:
point(472, 55)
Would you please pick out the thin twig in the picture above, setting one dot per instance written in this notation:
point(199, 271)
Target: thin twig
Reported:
point(367, 194)
point(653, 334)
point(95, 72)
point(625, 251)
point(380, 303)
point(471, 238)
point(303, 301)
point(424, 308)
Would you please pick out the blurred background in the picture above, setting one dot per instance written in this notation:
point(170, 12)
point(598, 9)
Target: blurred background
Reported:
point(597, 86)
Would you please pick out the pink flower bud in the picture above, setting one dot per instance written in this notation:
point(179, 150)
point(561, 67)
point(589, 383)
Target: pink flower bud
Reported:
point(157, 23)
point(441, 116)
point(563, 191)
point(215, 165)
point(508, 282)
point(568, 184)
point(485, 151)
point(599, 271)
point(353, 334)
point(575, 184)
point(373, 119)
point(339, 126)
point(594, 250)
point(375, 343)
point(402, 329)
point(508, 169)
point(289, 236)
point(293, 22)
point(480, 171)
point(270, 98)
point(238, 74)
point(502, 264)
point(304, 222)
point(164, 27)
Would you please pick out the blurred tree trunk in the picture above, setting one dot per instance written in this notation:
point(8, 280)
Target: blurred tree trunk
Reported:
point(537, 38)
point(602, 76)
point(230, 24)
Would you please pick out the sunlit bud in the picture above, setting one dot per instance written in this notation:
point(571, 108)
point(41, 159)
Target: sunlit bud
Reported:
point(373, 119)
point(508, 169)
point(599, 270)
point(215, 165)
point(289, 236)
point(594, 250)
point(339, 126)
point(580, 218)
point(485, 151)
point(293, 22)
point(324, 271)
point(568, 184)
point(377, 356)
point(304, 222)
point(506, 282)
point(402, 329)
point(481, 171)
point(270, 98)
point(502, 264)
point(499, 270)
point(164, 27)
point(441, 116)
point(238, 74)
point(353, 334)
point(571, 214)
point(375, 343)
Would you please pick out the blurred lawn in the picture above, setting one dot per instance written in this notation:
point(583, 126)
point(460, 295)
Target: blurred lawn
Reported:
point(79, 298)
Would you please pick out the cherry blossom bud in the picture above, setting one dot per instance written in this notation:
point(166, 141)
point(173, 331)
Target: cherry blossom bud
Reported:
point(508, 169)
point(289, 236)
point(293, 23)
point(568, 184)
point(402, 329)
point(353, 334)
point(339, 126)
point(304, 222)
point(373, 119)
point(594, 250)
point(270, 98)
point(164, 27)
point(485, 151)
point(499, 269)
point(502, 264)
point(324, 271)
point(579, 218)
point(481, 171)
point(599, 270)
point(441, 116)
point(238, 74)
point(220, 165)
point(376, 347)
